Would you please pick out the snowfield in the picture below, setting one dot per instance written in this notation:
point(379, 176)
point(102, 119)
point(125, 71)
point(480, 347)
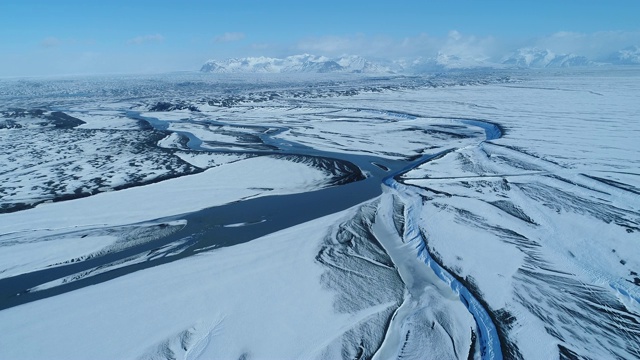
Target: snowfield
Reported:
point(233, 302)
point(482, 215)
point(26, 231)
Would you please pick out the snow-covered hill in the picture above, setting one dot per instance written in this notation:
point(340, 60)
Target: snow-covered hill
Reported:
point(537, 58)
point(304, 63)
point(463, 241)
point(443, 61)
point(627, 56)
point(528, 57)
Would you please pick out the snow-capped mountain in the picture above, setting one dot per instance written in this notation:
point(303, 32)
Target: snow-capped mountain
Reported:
point(358, 64)
point(537, 58)
point(442, 61)
point(626, 56)
point(453, 61)
point(529, 57)
point(304, 63)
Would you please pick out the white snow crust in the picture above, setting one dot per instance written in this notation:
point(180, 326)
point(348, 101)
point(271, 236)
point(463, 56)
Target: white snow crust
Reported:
point(25, 233)
point(262, 298)
point(535, 233)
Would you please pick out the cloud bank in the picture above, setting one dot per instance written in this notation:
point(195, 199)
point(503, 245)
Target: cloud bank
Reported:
point(596, 46)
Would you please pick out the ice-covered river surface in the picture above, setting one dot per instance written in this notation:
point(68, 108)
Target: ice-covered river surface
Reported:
point(471, 215)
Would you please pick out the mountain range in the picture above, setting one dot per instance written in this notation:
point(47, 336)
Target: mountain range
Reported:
point(536, 58)
point(304, 63)
point(627, 56)
point(521, 58)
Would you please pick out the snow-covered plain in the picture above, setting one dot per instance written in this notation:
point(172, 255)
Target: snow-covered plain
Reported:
point(523, 244)
point(69, 222)
point(263, 299)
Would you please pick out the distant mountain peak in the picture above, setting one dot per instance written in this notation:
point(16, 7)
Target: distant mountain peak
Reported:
point(544, 58)
point(303, 63)
point(627, 56)
point(526, 57)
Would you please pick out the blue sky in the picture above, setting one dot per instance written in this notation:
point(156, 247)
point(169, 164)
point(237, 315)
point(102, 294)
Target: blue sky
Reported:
point(67, 36)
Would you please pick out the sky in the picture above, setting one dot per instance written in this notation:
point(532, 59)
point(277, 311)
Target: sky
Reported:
point(47, 37)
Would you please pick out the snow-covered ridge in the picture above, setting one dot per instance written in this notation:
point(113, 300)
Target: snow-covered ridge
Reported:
point(528, 57)
point(304, 63)
point(627, 56)
point(534, 232)
point(537, 58)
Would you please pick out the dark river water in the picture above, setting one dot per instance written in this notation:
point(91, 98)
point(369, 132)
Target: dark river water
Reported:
point(209, 228)
point(205, 228)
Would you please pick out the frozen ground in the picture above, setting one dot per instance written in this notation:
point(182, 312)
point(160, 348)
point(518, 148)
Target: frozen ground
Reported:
point(519, 239)
point(69, 227)
point(52, 156)
point(264, 299)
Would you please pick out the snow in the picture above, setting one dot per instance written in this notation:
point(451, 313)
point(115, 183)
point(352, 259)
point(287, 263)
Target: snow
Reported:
point(529, 224)
point(243, 179)
point(530, 227)
point(102, 119)
point(36, 249)
point(205, 160)
point(19, 258)
point(169, 115)
point(429, 300)
point(537, 58)
point(271, 283)
point(445, 59)
point(629, 56)
point(172, 141)
point(216, 186)
point(303, 63)
point(365, 131)
point(80, 162)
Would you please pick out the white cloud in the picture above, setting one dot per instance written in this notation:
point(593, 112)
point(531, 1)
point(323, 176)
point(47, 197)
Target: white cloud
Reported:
point(358, 44)
point(228, 37)
point(145, 39)
point(331, 44)
point(454, 35)
point(422, 45)
point(469, 46)
point(50, 41)
point(594, 45)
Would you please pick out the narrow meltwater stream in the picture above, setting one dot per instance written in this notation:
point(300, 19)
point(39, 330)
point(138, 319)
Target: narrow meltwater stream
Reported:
point(488, 336)
point(206, 228)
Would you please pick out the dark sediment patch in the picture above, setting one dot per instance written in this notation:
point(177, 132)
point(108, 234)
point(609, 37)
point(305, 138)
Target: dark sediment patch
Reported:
point(362, 276)
point(19, 118)
point(63, 121)
point(616, 184)
point(381, 166)
point(341, 172)
point(167, 106)
point(97, 185)
point(513, 210)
